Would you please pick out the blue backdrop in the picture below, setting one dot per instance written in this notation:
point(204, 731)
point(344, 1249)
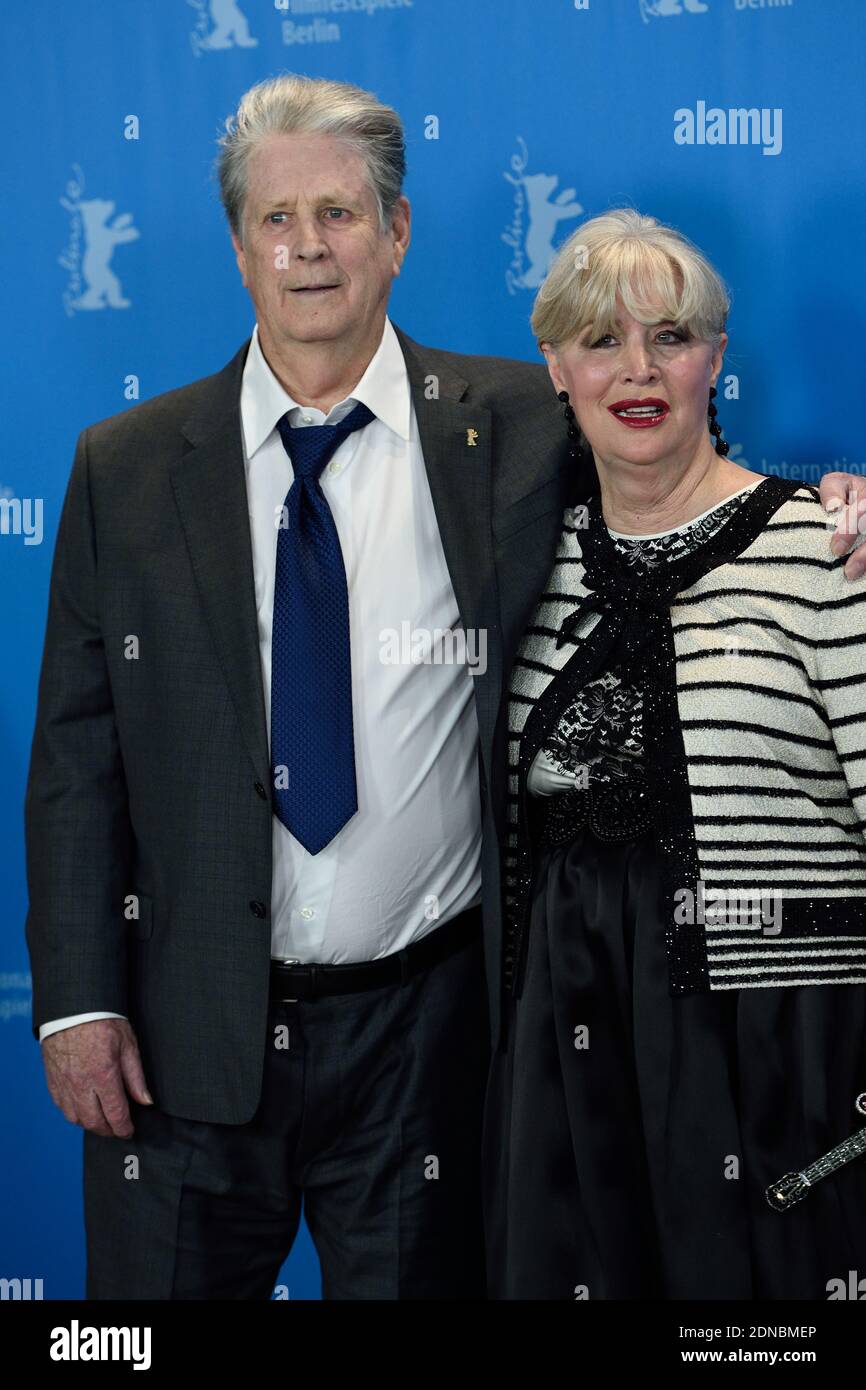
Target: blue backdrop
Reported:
point(740, 121)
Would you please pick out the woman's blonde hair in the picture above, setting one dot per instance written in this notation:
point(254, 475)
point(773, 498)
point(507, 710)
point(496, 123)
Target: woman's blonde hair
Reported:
point(645, 262)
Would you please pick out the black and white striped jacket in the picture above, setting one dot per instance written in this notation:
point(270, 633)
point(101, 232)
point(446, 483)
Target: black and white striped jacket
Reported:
point(756, 746)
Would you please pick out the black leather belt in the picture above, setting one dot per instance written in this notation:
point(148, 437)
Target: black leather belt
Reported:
point(293, 981)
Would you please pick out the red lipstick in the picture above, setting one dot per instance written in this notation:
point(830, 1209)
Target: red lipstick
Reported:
point(640, 413)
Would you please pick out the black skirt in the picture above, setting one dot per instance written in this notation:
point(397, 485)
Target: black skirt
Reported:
point(629, 1134)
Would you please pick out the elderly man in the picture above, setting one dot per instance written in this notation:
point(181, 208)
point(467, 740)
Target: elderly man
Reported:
point(255, 840)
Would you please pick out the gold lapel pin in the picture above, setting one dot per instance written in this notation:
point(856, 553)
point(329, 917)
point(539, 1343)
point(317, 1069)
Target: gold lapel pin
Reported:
point(472, 438)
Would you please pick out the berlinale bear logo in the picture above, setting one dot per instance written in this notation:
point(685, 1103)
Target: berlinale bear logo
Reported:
point(651, 9)
point(230, 27)
point(95, 285)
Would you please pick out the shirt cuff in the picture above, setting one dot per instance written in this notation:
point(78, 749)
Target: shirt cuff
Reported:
point(58, 1024)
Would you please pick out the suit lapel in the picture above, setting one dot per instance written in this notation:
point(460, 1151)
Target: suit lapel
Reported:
point(210, 489)
point(456, 440)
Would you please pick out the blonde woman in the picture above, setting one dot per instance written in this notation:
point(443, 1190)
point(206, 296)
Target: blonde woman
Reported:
point(685, 866)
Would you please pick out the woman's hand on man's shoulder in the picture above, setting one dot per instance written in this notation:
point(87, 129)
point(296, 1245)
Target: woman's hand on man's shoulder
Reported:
point(843, 495)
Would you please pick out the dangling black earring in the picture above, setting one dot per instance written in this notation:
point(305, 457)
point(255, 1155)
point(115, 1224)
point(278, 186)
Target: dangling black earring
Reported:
point(722, 445)
point(573, 432)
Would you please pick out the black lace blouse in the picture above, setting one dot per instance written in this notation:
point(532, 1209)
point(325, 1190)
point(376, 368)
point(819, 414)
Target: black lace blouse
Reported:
point(597, 744)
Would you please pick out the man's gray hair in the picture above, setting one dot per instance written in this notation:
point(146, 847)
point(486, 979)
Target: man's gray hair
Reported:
point(289, 105)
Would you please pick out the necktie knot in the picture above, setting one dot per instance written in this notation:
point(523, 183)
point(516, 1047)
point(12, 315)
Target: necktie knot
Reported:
point(310, 447)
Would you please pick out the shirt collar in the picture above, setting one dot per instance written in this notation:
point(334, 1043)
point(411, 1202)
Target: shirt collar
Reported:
point(384, 389)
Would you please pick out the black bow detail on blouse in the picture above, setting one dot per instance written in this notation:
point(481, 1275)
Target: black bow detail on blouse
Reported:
point(634, 598)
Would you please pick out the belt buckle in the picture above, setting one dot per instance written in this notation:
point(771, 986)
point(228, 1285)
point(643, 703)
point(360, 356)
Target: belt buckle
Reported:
point(289, 960)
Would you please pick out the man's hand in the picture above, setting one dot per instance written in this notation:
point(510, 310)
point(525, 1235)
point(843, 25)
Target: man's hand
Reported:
point(86, 1067)
point(844, 494)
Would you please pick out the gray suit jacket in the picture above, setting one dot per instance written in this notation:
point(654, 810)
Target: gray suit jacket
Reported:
point(151, 777)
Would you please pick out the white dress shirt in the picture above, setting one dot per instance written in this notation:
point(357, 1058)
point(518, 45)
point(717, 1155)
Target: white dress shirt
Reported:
point(409, 859)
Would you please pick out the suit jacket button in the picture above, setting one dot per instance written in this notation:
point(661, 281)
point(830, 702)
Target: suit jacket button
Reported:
point(261, 791)
point(258, 909)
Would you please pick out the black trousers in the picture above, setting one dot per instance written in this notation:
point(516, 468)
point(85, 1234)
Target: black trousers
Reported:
point(371, 1112)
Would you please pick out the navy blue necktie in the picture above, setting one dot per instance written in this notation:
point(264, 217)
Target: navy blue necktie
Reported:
point(312, 745)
